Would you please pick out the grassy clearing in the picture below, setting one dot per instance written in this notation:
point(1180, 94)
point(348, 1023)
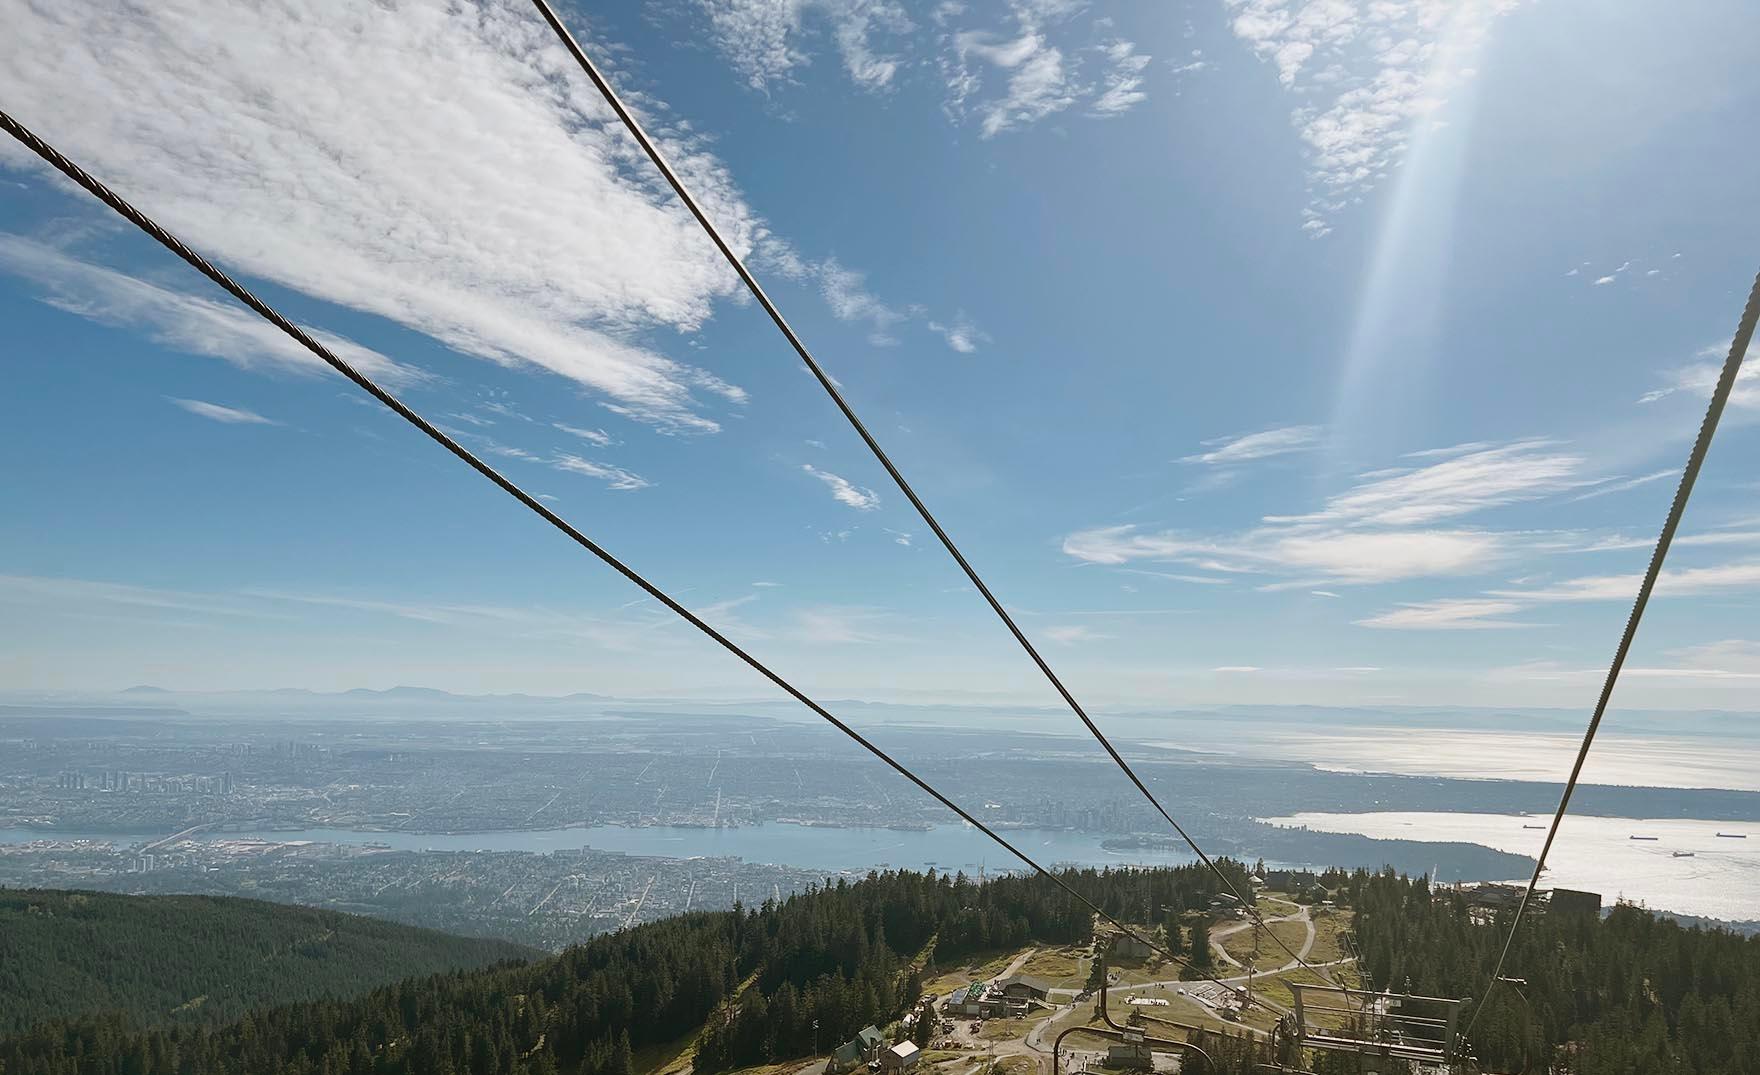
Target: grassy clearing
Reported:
point(1007, 1029)
point(1154, 970)
point(1065, 967)
point(1276, 989)
point(672, 1058)
point(1329, 927)
point(1271, 956)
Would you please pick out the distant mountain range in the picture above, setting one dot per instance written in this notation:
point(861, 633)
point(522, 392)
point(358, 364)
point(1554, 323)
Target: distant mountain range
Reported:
point(402, 693)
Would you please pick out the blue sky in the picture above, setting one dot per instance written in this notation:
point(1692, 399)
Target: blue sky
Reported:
point(1255, 350)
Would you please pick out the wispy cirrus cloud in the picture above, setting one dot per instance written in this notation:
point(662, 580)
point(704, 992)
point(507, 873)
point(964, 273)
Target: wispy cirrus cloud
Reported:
point(1308, 554)
point(1363, 74)
point(217, 412)
point(961, 334)
point(614, 476)
point(845, 491)
point(567, 462)
point(1673, 582)
point(596, 437)
point(1265, 444)
point(1383, 528)
point(846, 292)
point(1461, 484)
point(840, 625)
point(766, 41)
point(1491, 608)
point(1620, 485)
point(1447, 615)
point(1036, 61)
point(183, 321)
point(1069, 634)
point(1698, 377)
point(1122, 79)
point(1037, 80)
point(252, 130)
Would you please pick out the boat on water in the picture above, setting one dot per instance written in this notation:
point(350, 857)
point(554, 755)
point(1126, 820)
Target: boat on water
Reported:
point(1645, 837)
point(1733, 835)
point(1533, 826)
point(1683, 854)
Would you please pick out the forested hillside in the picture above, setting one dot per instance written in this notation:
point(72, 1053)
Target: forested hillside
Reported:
point(1627, 993)
point(841, 955)
point(156, 960)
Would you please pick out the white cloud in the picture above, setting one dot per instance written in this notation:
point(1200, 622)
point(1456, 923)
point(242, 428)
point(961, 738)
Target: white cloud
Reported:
point(1175, 576)
point(1699, 377)
point(1309, 554)
point(1602, 281)
point(1038, 83)
point(1470, 482)
point(1072, 633)
point(1381, 529)
point(216, 327)
point(961, 335)
point(1237, 669)
point(1363, 74)
point(1621, 485)
point(1730, 654)
point(846, 293)
point(68, 593)
point(1678, 582)
point(842, 625)
point(1008, 76)
point(844, 491)
point(219, 413)
point(765, 42)
point(314, 153)
point(616, 477)
point(1123, 80)
point(596, 437)
point(1446, 615)
point(1262, 445)
point(1706, 665)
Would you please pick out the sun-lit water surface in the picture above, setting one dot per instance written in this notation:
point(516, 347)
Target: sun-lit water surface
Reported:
point(1631, 761)
point(1720, 880)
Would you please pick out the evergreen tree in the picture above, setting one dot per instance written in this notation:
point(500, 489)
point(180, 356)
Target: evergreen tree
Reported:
point(1201, 955)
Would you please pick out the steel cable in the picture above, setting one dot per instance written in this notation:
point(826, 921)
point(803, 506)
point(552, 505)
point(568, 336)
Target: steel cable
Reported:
point(826, 382)
point(1732, 367)
point(238, 291)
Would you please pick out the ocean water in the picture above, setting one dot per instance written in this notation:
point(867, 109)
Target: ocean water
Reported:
point(1630, 761)
point(1720, 880)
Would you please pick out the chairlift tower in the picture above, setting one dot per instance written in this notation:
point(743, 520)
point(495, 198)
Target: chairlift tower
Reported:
point(1390, 1026)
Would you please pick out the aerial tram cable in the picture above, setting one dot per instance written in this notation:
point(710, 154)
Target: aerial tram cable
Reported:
point(300, 336)
point(830, 386)
point(1732, 366)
